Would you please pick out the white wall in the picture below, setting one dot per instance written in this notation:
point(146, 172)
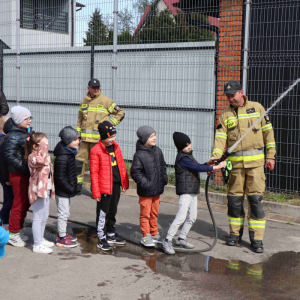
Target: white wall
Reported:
point(30, 39)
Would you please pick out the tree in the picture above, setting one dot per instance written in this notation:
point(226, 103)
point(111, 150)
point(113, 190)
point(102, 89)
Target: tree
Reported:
point(97, 32)
point(164, 27)
point(125, 21)
point(141, 5)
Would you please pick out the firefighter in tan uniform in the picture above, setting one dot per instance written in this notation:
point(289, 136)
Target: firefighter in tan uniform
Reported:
point(248, 162)
point(95, 108)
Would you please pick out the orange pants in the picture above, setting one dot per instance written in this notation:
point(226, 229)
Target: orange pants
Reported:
point(148, 214)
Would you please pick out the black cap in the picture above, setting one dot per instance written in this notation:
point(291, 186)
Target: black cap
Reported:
point(181, 140)
point(94, 82)
point(106, 130)
point(231, 87)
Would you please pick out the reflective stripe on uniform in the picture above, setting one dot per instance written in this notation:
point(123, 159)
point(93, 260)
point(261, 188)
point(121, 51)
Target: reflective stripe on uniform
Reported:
point(90, 134)
point(246, 158)
point(236, 221)
point(257, 224)
point(233, 265)
point(247, 155)
point(114, 121)
point(267, 127)
point(221, 135)
point(112, 107)
point(80, 179)
point(217, 151)
point(230, 119)
point(247, 116)
point(269, 145)
point(243, 116)
point(253, 272)
point(78, 129)
point(94, 109)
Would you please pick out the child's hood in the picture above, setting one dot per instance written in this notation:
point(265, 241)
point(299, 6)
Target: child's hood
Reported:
point(61, 150)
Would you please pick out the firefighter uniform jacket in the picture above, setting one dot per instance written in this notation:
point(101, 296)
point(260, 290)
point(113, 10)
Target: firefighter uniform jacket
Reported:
point(93, 111)
point(233, 123)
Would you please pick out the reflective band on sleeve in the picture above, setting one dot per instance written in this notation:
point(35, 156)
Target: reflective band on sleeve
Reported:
point(269, 145)
point(80, 179)
point(246, 158)
point(78, 129)
point(217, 151)
point(267, 127)
point(257, 224)
point(236, 221)
point(221, 135)
point(112, 107)
point(113, 120)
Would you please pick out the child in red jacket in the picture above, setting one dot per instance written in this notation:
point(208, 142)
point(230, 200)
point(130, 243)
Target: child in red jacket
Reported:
point(108, 175)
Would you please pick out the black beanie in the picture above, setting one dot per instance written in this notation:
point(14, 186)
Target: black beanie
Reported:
point(68, 134)
point(106, 130)
point(181, 140)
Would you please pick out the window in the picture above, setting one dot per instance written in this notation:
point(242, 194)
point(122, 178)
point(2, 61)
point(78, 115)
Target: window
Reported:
point(46, 15)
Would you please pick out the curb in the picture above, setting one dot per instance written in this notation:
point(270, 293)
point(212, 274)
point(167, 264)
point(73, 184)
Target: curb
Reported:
point(218, 198)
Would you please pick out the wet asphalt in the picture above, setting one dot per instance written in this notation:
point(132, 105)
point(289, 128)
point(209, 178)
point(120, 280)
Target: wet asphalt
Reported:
point(135, 272)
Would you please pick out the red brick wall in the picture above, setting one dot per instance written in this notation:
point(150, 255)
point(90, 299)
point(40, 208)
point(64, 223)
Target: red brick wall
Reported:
point(230, 50)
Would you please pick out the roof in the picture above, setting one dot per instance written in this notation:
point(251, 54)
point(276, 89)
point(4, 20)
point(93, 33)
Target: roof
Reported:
point(170, 4)
point(79, 4)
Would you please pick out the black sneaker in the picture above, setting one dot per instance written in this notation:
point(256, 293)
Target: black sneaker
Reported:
point(104, 245)
point(257, 246)
point(233, 240)
point(113, 240)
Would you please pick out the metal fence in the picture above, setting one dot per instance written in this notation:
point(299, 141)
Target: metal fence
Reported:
point(165, 65)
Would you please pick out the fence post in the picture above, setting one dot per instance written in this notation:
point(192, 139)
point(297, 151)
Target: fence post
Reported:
point(18, 18)
point(115, 46)
point(246, 46)
point(92, 61)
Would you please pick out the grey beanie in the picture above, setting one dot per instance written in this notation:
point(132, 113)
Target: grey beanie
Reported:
point(19, 114)
point(144, 132)
point(68, 134)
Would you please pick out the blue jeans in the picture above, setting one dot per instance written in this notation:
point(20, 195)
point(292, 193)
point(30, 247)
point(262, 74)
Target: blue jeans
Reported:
point(8, 201)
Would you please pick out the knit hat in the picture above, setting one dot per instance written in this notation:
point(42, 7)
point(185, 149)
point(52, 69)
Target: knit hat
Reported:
point(106, 130)
point(68, 134)
point(19, 114)
point(144, 132)
point(4, 237)
point(181, 140)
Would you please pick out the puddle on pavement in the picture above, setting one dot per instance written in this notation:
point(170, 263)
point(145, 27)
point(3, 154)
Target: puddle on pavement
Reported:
point(277, 278)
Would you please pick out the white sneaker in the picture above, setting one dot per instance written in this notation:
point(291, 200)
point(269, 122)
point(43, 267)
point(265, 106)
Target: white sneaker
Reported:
point(147, 241)
point(15, 240)
point(47, 243)
point(41, 249)
point(24, 237)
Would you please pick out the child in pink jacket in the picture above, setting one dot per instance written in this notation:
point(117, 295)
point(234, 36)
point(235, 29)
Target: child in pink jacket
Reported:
point(41, 187)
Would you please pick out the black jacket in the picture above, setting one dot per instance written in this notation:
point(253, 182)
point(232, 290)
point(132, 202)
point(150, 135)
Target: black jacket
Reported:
point(3, 105)
point(186, 182)
point(65, 179)
point(148, 170)
point(3, 164)
point(14, 147)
